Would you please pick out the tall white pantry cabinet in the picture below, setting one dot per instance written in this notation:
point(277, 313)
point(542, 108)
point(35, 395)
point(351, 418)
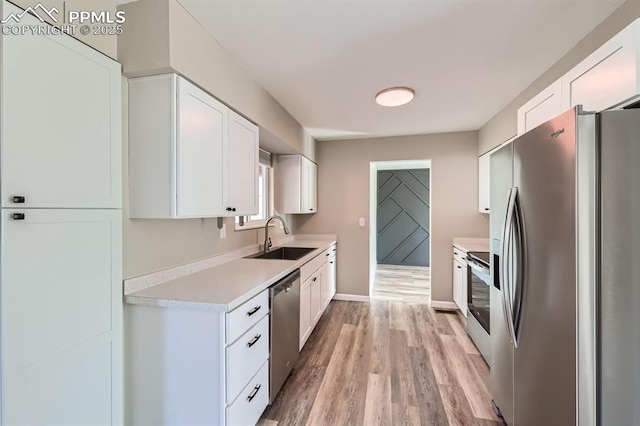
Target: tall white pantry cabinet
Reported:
point(61, 232)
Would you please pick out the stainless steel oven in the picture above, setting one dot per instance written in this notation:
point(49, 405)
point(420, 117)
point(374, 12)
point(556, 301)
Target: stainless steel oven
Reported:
point(479, 287)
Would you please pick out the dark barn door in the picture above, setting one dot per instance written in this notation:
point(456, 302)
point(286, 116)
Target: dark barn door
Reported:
point(403, 217)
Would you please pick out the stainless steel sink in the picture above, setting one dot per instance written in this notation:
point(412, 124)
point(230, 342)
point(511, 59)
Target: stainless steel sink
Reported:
point(283, 253)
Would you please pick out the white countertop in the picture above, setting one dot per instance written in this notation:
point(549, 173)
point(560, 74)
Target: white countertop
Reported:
point(472, 244)
point(228, 285)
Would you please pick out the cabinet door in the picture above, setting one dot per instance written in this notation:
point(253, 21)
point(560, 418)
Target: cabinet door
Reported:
point(305, 195)
point(544, 106)
point(464, 278)
point(606, 78)
point(243, 166)
point(61, 317)
point(325, 285)
point(305, 311)
point(316, 297)
point(484, 169)
point(332, 276)
point(312, 187)
point(201, 153)
point(61, 122)
point(458, 296)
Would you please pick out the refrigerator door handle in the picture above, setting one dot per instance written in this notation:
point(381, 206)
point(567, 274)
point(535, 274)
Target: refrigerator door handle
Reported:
point(519, 284)
point(505, 270)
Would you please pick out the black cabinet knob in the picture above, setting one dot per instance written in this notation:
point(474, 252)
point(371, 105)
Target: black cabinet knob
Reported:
point(233, 209)
point(18, 199)
point(17, 216)
point(486, 209)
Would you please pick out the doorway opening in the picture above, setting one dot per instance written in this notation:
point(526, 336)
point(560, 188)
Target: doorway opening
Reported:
point(400, 231)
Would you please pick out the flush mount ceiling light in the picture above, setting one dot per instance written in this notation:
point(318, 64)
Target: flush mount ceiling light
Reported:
point(395, 96)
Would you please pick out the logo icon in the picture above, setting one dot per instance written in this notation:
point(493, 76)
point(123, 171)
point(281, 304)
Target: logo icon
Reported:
point(34, 11)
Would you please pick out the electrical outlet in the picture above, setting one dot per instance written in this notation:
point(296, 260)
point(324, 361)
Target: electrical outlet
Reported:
point(223, 231)
point(362, 222)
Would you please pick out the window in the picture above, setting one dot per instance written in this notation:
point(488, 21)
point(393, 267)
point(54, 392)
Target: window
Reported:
point(265, 197)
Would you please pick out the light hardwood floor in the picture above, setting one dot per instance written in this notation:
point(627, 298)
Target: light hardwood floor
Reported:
point(402, 283)
point(386, 363)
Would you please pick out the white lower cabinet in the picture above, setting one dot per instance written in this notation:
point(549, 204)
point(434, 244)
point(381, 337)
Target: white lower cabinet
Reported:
point(333, 268)
point(253, 399)
point(305, 312)
point(316, 296)
point(183, 370)
point(318, 277)
point(61, 316)
point(251, 349)
point(460, 280)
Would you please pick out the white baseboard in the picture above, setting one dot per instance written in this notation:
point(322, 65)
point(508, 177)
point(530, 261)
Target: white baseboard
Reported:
point(351, 297)
point(447, 306)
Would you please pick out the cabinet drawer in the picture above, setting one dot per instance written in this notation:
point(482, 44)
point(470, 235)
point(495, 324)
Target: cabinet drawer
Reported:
point(253, 399)
point(246, 315)
point(309, 268)
point(245, 356)
point(460, 255)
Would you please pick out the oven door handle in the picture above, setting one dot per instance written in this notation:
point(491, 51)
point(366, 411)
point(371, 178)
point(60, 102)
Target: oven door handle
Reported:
point(477, 267)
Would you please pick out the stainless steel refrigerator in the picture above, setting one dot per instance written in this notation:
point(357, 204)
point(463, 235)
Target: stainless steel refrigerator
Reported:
point(565, 265)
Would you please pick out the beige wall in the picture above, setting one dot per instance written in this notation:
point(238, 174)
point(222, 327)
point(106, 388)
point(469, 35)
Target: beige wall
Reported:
point(343, 197)
point(504, 124)
point(161, 36)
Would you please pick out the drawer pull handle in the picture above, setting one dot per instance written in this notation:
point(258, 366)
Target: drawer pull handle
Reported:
point(328, 254)
point(253, 393)
point(254, 310)
point(18, 216)
point(315, 278)
point(254, 340)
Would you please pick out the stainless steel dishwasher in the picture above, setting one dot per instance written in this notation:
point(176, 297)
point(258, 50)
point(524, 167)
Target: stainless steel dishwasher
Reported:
point(285, 330)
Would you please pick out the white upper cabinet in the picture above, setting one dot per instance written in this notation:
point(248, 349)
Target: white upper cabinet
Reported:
point(542, 107)
point(61, 123)
point(243, 165)
point(484, 179)
point(200, 145)
point(189, 154)
point(297, 181)
point(609, 77)
point(484, 169)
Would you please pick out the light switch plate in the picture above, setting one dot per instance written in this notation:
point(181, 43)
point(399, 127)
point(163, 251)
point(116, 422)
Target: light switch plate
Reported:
point(362, 222)
point(223, 231)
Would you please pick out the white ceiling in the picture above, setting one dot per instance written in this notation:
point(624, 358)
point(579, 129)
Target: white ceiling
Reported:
point(324, 60)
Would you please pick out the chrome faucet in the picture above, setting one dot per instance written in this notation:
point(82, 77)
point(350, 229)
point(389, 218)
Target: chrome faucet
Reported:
point(267, 240)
